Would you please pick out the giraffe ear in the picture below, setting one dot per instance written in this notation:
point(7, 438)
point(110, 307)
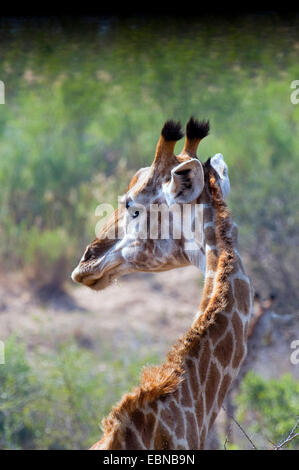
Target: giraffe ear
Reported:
point(186, 184)
point(219, 165)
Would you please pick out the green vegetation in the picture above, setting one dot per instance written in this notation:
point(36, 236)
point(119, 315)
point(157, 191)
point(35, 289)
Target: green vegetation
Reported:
point(85, 102)
point(273, 406)
point(56, 399)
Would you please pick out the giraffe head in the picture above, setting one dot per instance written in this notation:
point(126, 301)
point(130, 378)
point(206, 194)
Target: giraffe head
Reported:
point(158, 224)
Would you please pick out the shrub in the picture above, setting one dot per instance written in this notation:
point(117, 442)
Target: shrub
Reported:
point(273, 405)
point(47, 256)
point(56, 399)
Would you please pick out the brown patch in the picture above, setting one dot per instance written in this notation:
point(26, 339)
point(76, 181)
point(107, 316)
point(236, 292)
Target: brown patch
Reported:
point(138, 419)
point(131, 440)
point(199, 410)
point(212, 385)
point(237, 325)
point(179, 420)
point(217, 329)
point(239, 355)
point(192, 375)
point(202, 438)
point(147, 431)
point(230, 299)
point(226, 381)
point(192, 436)
point(163, 439)
point(154, 406)
point(210, 236)
point(185, 394)
point(204, 363)
point(117, 444)
point(144, 424)
point(212, 260)
point(242, 295)
point(224, 350)
point(167, 418)
point(239, 343)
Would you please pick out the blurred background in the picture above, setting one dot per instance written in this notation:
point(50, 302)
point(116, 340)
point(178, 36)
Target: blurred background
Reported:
point(85, 100)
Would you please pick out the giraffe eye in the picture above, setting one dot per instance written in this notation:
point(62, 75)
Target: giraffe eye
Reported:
point(130, 207)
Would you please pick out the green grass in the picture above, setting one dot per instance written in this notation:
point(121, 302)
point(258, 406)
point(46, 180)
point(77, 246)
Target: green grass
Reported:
point(56, 399)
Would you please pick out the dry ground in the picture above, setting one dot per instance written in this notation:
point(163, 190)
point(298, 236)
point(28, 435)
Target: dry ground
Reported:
point(151, 310)
point(156, 308)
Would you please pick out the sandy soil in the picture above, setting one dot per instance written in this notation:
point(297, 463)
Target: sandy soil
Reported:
point(155, 307)
point(150, 310)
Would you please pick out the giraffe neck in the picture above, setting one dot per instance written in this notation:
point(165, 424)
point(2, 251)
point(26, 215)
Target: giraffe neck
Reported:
point(177, 402)
point(224, 311)
point(212, 254)
point(211, 251)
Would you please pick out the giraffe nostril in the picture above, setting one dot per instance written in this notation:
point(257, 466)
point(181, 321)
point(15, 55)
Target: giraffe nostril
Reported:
point(87, 255)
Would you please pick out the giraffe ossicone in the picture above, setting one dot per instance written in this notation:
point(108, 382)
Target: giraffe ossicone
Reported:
point(177, 402)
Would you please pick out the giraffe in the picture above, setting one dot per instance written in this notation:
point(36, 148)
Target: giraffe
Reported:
point(177, 402)
point(255, 334)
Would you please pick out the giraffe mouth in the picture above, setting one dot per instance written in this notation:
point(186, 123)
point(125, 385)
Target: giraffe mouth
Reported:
point(100, 283)
point(97, 280)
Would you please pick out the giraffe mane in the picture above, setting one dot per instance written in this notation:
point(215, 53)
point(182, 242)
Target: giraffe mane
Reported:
point(159, 381)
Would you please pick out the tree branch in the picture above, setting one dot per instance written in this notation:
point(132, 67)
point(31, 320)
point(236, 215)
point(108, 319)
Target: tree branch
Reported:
point(240, 427)
point(292, 435)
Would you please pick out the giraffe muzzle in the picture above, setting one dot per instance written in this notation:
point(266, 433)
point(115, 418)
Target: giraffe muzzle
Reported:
point(96, 276)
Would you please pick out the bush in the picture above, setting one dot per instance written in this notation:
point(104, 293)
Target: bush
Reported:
point(18, 391)
point(47, 257)
point(272, 404)
point(56, 399)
